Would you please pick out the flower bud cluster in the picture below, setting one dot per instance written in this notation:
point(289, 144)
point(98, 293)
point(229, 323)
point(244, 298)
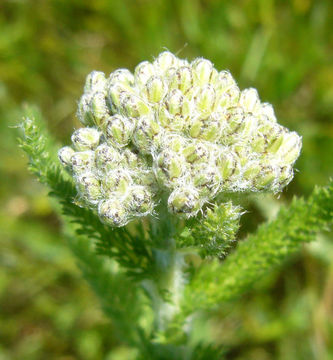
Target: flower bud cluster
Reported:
point(116, 182)
point(177, 126)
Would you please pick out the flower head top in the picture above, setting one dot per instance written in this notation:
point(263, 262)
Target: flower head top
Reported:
point(176, 127)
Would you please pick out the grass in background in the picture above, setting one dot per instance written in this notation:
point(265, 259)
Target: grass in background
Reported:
point(47, 47)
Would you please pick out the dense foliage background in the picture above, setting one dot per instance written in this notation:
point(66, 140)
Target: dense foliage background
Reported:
point(47, 47)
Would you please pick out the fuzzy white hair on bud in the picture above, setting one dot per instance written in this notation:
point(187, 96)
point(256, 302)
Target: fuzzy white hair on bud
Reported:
point(113, 213)
point(85, 139)
point(95, 81)
point(65, 156)
point(118, 130)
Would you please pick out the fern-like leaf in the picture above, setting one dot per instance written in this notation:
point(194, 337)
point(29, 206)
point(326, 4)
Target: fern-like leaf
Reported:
point(268, 247)
point(120, 299)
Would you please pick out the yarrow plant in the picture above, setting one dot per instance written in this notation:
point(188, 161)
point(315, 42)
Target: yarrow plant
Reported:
point(151, 181)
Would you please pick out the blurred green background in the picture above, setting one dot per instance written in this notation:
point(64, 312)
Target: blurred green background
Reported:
point(47, 47)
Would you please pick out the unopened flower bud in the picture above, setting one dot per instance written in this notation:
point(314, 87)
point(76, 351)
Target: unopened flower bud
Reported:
point(98, 107)
point(65, 156)
point(196, 152)
point(169, 167)
point(85, 139)
point(266, 178)
point(204, 71)
point(147, 134)
point(134, 106)
point(241, 126)
point(259, 143)
point(266, 110)
point(207, 179)
point(274, 140)
point(170, 122)
point(224, 81)
point(121, 77)
point(144, 71)
point(177, 104)
point(227, 164)
point(227, 98)
point(169, 73)
point(234, 122)
point(251, 170)
point(117, 181)
point(205, 99)
point(106, 158)
point(165, 60)
point(116, 94)
point(206, 128)
point(112, 212)
point(84, 112)
point(141, 203)
point(249, 128)
point(290, 148)
point(182, 79)
point(83, 161)
point(268, 137)
point(249, 100)
point(155, 89)
point(184, 201)
point(118, 130)
point(89, 187)
point(95, 81)
point(285, 176)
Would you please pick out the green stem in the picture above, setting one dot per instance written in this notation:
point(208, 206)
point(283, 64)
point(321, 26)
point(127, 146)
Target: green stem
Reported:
point(167, 286)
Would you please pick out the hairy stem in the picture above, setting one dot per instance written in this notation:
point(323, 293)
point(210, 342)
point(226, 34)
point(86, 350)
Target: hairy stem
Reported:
point(167, 285)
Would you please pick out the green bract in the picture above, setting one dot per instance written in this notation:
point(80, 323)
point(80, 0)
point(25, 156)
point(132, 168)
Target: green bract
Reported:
point(176, 127)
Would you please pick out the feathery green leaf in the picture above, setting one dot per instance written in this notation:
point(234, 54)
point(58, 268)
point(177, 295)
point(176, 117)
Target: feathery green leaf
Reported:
point(268, 247)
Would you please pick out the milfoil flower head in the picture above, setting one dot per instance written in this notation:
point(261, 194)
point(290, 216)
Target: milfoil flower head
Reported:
point(178, 128)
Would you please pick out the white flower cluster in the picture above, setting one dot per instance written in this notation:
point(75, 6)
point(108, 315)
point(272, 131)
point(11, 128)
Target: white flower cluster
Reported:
point(174, 126)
